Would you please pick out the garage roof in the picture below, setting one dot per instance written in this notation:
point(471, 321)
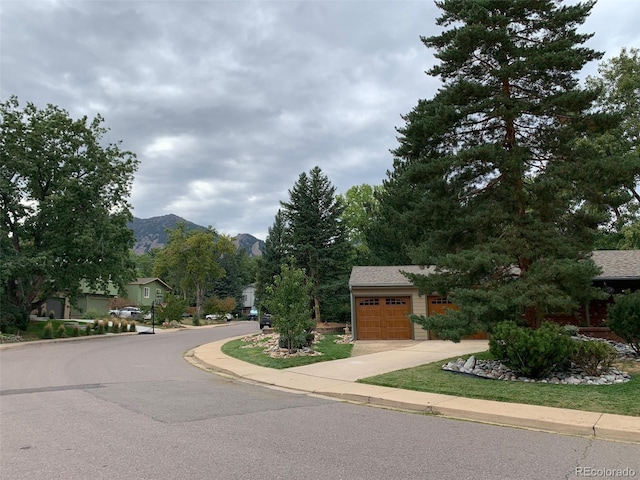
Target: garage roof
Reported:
point(385, 276)
point(615, 264)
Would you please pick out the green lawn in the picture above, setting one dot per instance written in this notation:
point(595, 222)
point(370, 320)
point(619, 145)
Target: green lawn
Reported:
point(329, 348)
point(622, 399)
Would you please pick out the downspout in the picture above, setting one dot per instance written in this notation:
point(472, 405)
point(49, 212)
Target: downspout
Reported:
point(353, 314)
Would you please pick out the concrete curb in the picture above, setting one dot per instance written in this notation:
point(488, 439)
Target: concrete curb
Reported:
point(549, 419)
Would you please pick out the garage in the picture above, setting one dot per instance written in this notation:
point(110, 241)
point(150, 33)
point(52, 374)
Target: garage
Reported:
point(383, 297)
point(383, 318)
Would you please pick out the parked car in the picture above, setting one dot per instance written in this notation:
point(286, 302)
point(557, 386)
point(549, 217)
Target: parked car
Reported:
point(214, 316)
point(265, 321)
point(126, 312)
point(253, 314)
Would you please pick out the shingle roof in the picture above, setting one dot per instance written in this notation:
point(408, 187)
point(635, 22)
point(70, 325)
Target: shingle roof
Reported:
point(618, 264)
point(615, 264)
point(384, 276)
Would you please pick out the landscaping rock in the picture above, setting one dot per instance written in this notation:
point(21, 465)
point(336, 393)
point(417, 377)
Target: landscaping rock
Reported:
point(495, 370)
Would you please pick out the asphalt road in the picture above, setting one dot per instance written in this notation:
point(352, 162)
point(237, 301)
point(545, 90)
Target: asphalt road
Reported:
point(131, 407)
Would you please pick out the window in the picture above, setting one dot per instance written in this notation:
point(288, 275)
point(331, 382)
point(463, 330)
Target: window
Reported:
point(440, 301)
point(395, 301)
point(147, 292)
point(365, 302)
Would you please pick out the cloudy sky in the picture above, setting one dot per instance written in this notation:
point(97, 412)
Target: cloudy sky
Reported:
point(225, 103)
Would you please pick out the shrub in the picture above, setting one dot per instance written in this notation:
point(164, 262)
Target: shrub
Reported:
point(75, 331)
point(62, 331)
point(52, 315)
point(87, 329)
point(132, 326)
point(115, 326)
point(593, 357)
point(531, 353)
point(624, 318)
point(47, 331)
point(101, 328)
point(91, 314)
point(171, 310)
point(195, 321)
point(124, 326)
point(13, 318)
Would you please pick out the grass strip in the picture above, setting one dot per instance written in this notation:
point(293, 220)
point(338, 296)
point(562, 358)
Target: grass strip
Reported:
point(327, 346)
point(621, 399)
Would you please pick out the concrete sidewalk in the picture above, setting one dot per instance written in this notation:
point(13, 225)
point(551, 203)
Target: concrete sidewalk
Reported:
point(337, 379)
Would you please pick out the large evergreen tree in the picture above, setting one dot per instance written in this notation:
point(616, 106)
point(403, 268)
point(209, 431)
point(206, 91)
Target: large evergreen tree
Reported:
point(64, 198)
point(273, 257)
point(505, 189)
point(318, 241)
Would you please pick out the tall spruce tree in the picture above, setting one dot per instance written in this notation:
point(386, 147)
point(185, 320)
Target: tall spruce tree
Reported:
point(507, 192)
point(318, 240)
point(273, 257)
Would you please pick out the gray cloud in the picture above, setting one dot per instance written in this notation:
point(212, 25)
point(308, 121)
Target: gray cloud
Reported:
point(227, 102)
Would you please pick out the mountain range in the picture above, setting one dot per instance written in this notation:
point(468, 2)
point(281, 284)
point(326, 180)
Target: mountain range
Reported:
point(152, 233)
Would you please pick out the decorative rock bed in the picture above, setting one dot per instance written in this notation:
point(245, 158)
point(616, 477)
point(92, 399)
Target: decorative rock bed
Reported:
point(270, 342)
point(495, 370)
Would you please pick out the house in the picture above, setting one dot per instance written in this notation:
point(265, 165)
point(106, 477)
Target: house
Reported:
point(140, 292)
point(143, 291)
point(90, 299)
point(248, 298)
point(382, 297)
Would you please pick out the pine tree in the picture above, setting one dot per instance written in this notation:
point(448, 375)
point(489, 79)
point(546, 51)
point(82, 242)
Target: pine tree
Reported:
point(506, 191)
point(273, 257)
point(318, 240)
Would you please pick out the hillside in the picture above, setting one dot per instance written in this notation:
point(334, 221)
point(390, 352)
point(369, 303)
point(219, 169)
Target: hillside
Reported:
point(152, 233)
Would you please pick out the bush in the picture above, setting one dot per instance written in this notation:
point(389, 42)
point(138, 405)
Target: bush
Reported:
point(593, 357)
point(75, 331)
point(531, 353)
point(13, 318)
point(47, 331)
point(132, 326)
point(92, 314)
point(624, 318)
point(62, 331)
point(171, 310)
point(101, 328)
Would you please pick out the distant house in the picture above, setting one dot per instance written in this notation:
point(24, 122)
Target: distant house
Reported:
point(248, 298)
point(140, 293)
point(143, 291)
point(90, 299)
point(382, 297)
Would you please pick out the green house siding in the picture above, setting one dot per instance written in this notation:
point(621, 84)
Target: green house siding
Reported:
point(144, 291)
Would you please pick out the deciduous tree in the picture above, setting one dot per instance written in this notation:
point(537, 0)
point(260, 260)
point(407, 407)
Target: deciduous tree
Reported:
point(64, 198)
point(192, 260)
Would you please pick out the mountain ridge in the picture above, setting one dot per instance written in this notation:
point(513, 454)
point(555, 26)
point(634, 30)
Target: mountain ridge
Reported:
point(151, 233)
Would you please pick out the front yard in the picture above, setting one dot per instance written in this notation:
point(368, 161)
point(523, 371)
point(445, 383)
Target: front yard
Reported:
point(621, 399)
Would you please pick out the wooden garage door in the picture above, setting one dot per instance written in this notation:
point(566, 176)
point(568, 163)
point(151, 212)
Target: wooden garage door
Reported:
point(439, 305)
point(383, 318)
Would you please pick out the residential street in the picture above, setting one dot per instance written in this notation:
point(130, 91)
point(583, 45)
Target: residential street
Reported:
point(131, 407)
